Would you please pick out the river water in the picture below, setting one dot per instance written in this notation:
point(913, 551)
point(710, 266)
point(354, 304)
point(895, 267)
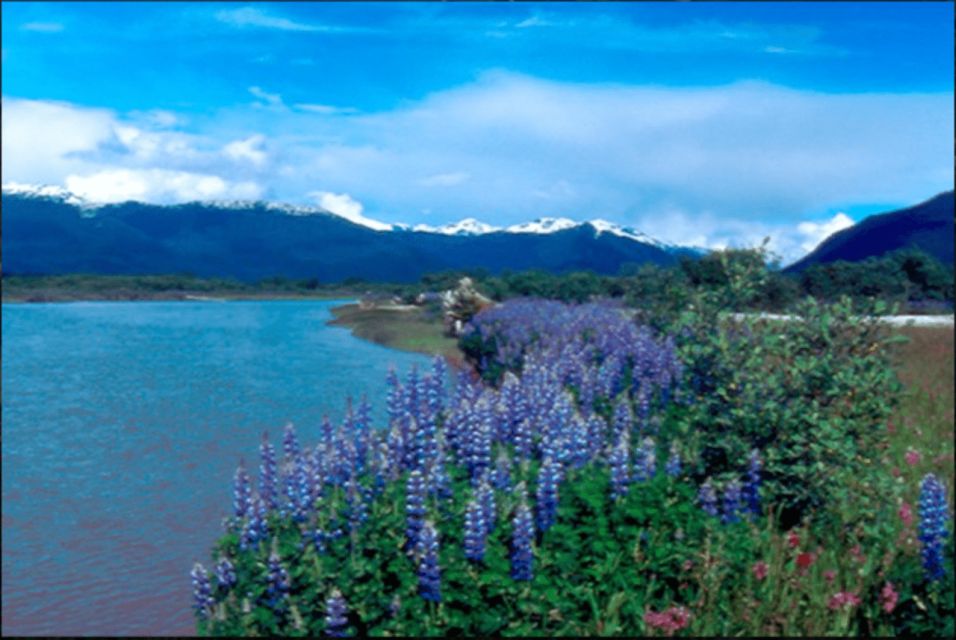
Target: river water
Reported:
point(123, 423)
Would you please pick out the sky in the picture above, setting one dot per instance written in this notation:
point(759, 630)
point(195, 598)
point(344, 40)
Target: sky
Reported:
point(707, 124)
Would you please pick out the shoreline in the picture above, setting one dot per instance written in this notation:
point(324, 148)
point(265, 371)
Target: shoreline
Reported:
point(406, 328)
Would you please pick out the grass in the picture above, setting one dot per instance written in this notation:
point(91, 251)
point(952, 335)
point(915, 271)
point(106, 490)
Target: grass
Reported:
point(923, 422)
point(416, 329)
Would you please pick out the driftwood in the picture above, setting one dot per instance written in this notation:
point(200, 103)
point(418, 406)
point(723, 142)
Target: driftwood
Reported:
point(460, 304)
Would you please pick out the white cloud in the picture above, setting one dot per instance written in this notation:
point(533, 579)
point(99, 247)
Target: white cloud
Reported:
point(252, 17)
point(271, 100)
point(325, 109)
point(344, 205)
point(43, 27)
point(157, 185)
point(247, 150)
point(445, 179)
point(42, 140)
point(816, 232)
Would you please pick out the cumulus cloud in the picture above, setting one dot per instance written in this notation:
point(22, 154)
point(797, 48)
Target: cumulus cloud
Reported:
point(157, 185)
point(344, 205)
point(815, 232)
point(248, 150)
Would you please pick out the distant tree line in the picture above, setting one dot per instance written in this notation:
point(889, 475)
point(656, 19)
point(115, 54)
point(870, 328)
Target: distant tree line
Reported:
point(909, 276)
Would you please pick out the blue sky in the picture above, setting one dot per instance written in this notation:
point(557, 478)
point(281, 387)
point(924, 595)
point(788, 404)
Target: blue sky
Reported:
point(704, 123)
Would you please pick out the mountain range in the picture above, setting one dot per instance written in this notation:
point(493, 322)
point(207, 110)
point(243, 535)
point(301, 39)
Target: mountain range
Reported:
point(48, 230)
point(927, 226)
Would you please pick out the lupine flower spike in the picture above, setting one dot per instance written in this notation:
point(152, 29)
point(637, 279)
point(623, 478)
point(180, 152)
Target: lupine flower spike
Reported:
point(429, 574)
point(933, 518)
point(336, 615)
point(202, 591)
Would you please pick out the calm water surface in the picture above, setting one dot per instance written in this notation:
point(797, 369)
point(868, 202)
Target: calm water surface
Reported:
point(122, 426)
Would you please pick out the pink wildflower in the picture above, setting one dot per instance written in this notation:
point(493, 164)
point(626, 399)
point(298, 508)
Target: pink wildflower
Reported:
point(760, 570)
point(805, 560)
point(793, 540)
point(830, 575)
point(888, 597)
point(669, 621)
point(906, 513)
point(912, 457)
point(842, 599)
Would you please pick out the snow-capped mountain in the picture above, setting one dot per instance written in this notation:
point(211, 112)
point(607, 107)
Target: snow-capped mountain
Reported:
point(49, 230)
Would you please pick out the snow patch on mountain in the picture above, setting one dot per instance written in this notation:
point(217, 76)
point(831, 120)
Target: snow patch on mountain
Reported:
point(466, 227)
point(45, 191)
point(603, 226)
point(543, 225)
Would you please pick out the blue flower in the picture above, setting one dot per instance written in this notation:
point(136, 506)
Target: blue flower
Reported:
point(673, 466)
point(429, 574)
point(751, 489)
point(547, 494)
point(336, 615)
point(618, 461)
point(522, 557)
point(277, 583)
point(414, 508)
point(225, 575)
point(202, 591)
point(290, 442)
point(475, 531)
point(486, 500)
point(707, 498)
point(933, 517)
point(645, 465)
point(732, 503)
point(242, 492)
point(268, 474)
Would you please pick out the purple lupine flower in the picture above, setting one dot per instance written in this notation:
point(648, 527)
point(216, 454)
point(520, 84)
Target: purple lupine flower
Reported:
point(475, 532)
point(414, 508)
point(751, 489)
point(732, 503)
point(485, 495)
point(707, 498)
point(290, 442)
point(523, 439)
point(336, 615)
point(277, 583)
point(522, 557)
point(242, 492)
point(268, 473)
point(225, 575)
point(547, 494)
point(501, 476)
point(619, 472)
point(202, 591)
point(673, 466)
point(320, 540)
point(623, 419)
point(304, 491)
point(429, 574)
point(933, 517)
point(356, 510)
point(645, 465)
